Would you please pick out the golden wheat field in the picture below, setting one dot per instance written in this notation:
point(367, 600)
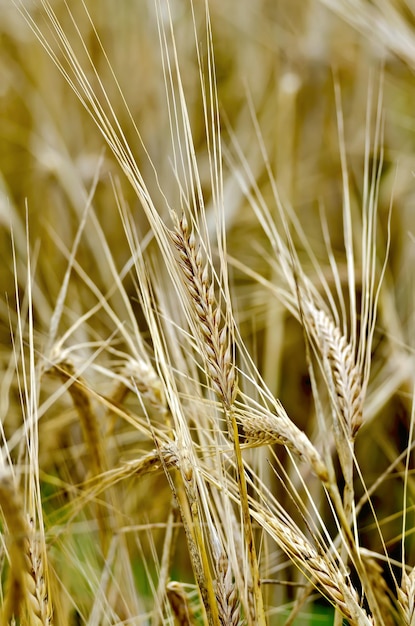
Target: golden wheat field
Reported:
point(207, 240)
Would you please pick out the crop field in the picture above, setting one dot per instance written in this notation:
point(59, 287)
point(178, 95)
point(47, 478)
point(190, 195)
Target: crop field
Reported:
point(207, 312)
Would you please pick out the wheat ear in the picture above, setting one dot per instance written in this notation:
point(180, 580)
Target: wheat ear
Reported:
point(261, 427)
point(78, 390)
point(229, 608)
point(379, 589)
point(341, 368)
point(179, 603)
point(18, 532)
point(215, 342)
point(36, 581)
point(139, 376)
point(323, 571)
point(158, 460)
point(216, 347)
point(27, 593)
point(406, 598)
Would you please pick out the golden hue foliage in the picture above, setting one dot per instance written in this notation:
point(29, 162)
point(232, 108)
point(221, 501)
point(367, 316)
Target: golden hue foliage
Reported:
point(207, 311)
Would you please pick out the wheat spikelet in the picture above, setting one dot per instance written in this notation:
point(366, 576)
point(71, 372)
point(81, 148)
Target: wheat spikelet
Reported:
point(261, 427)
point(344, 374)
point(406, 598)
point(215, 344)
point(226, 594)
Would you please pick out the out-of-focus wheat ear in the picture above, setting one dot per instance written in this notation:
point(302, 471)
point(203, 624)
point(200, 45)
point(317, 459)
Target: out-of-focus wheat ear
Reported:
point(339, 365)
point(27, 596)
point(180, 604)
point(380, 590)
point(406, 598)
point(229, 607)
point(78, 390)
point(261, 428)
point(139, 376)
point(17, 534)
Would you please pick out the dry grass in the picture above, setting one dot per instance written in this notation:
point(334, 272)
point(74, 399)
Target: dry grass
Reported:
point(207, 390)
